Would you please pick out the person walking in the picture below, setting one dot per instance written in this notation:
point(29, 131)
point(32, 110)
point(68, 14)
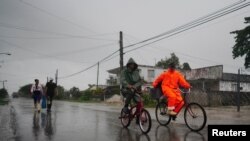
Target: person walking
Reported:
point(51, 91)
point(37, 91)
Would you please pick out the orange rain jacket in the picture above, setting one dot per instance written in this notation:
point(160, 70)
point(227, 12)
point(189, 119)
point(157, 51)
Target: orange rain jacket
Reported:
point(170, 81)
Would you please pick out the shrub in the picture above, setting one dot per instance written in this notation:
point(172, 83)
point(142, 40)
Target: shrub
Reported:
point(86, 95)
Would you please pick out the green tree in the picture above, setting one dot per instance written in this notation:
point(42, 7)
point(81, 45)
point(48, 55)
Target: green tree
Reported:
point(25, 90)
point(3, 93)
point(242, 45)
point(86, 95)
point(163, 63)
point(186, 66)
point(61, 93)
point(75, 92)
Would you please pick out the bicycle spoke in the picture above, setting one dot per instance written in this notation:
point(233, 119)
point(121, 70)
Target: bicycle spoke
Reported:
point(160, 112)
point(125, 119)
point(145, 121)
point(195, 117)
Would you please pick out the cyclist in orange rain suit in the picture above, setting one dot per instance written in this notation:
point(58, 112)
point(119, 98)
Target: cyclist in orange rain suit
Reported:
point(170, 81)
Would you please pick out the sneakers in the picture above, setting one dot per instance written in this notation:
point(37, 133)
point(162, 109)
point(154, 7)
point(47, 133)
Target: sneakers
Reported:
point(163, 111)
point(171, 113)
point(125, 110)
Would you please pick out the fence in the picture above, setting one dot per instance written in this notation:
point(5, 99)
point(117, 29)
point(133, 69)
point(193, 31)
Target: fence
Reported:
point(219, 98)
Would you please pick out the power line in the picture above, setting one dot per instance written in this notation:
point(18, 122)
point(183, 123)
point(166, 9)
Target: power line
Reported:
point(208, 20)
point(73, 74)
point(198, 58)
point(20, 47)
point(188, 24)
point(5, 25)
point(194, 24)
point(111, 58)
point(102, 60)
point(55, 16)
point(49, 37)
point(54, 56)
point(85, 49)
point(187, 55)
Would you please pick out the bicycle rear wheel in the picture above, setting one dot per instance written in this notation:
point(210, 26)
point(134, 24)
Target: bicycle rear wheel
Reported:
point(125, 119)
point(161, 114)
point(145, 121)
point(195, 117)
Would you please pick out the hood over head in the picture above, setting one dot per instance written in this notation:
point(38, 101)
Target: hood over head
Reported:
point(131, 61)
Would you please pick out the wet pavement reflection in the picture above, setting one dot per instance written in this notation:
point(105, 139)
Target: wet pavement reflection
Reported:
point(77, 121)
point(42, 124)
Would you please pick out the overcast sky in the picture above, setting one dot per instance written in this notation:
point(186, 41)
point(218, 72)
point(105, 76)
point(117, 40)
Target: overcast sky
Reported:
point(71, 35)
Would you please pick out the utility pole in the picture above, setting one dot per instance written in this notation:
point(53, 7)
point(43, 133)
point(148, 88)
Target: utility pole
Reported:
point(3, 83)
point(121, 59)
point(238, 91)
point(56, 76)
point(97, 81)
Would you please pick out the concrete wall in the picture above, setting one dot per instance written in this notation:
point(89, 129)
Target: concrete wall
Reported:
point(232, 86)
point(214, 72)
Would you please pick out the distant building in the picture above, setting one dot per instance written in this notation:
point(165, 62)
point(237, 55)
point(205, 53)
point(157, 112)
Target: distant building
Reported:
point(210, 78)
point(147, 73)
point(213, 78)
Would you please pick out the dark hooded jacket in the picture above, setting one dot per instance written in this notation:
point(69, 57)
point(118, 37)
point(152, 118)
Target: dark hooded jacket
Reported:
point(131, 77)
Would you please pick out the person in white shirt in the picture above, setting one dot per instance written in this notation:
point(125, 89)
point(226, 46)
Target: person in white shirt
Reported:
point(37, 91)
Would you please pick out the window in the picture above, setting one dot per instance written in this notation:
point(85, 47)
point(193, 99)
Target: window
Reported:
point(234, 87)
point(151, 73)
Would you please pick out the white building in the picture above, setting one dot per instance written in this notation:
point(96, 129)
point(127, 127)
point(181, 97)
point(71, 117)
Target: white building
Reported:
point(217, 80)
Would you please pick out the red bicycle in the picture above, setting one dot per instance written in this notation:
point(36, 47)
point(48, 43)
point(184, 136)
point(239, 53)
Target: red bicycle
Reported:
point(137, 110)
point(194, 114)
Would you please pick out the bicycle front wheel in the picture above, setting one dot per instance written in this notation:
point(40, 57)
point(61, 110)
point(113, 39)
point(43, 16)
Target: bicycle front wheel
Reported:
point(125, 119)
point(145, 121)
point(161, 114)
point(195, 117)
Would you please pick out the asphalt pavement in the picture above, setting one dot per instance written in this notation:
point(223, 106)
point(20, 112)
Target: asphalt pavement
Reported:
point(71, 121)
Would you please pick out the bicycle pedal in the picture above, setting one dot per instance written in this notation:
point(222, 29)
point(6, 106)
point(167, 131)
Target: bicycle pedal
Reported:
point(174, 118)
point(163, 113)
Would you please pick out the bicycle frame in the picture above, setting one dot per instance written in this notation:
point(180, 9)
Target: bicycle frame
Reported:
point(138, 108)
point(186, 102)
point(183, 103)
point(191, 109)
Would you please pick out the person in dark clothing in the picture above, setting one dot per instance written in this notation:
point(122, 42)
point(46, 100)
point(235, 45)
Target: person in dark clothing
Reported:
point(50, 93)
point(130, 80)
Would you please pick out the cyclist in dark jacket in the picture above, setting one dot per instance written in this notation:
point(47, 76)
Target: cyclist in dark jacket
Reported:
point(130, 80)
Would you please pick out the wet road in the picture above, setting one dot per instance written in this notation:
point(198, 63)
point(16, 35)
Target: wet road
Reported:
point(71, 121)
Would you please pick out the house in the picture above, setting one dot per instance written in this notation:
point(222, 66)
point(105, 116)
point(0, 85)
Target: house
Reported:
point(147, 73)
point(213, 78)
point(210, 85)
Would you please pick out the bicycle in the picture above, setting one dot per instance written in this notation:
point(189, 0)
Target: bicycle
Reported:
point(193, 112)
point(137, 110)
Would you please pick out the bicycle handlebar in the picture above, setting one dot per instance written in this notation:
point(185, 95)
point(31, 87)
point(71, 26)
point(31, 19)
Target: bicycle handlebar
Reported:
point(135, 90)
point(189, 90)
